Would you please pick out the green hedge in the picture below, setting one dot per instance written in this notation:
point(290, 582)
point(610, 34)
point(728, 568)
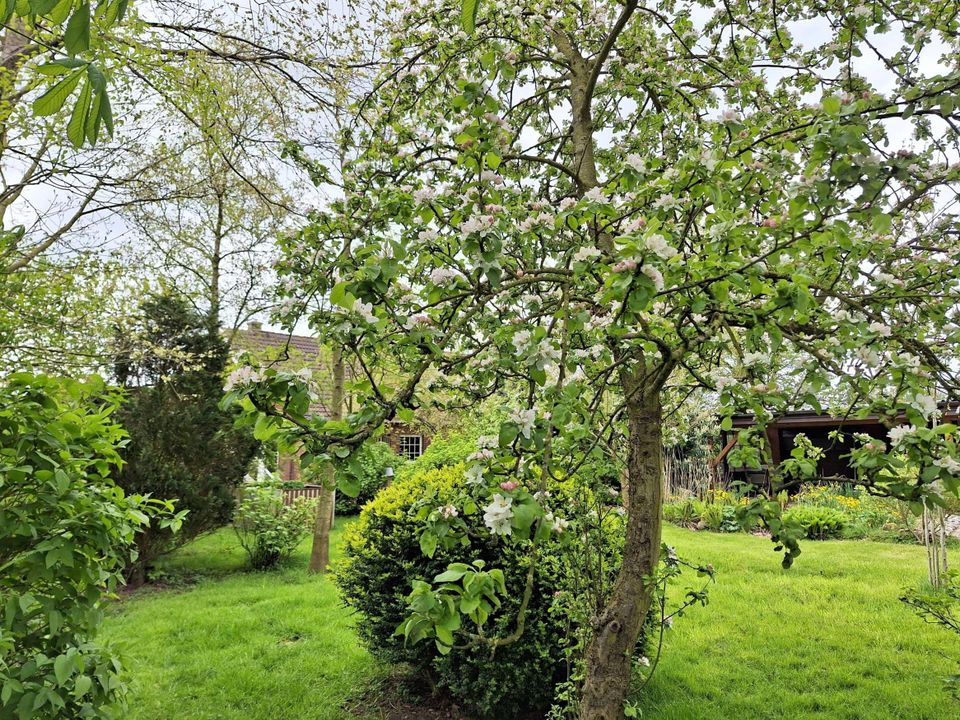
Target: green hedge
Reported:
point(382, 558)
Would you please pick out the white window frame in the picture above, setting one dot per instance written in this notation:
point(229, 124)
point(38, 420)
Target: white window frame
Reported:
point(405, 450)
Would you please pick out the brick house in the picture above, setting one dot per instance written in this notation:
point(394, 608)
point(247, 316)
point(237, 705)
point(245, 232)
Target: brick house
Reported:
point(294, 352)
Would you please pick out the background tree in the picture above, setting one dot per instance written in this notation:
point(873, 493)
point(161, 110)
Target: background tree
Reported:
point(222, 177)
point(182, 447)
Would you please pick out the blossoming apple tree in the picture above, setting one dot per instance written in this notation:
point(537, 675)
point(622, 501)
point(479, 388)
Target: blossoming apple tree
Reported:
point(610, 204)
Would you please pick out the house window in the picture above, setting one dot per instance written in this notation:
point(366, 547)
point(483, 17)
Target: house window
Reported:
point(411, 446)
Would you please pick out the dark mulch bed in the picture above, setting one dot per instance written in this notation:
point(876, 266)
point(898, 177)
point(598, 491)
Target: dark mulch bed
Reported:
point(402, 696)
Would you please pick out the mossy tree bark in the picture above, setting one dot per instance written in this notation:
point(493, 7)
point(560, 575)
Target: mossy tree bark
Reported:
point(320, 553)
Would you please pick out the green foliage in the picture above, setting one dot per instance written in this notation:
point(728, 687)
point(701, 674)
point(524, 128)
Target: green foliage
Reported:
point(384, 558)
point(66, 533)
point(818, 522)
point(81, 30)
point(685, 513)
point(941, 606)
point(371, 461)
point(270, 531)
point(719, 517)
point(446, 449)
point(182, 445)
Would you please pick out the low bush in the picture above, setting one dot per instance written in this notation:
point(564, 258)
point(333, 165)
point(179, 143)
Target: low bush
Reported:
point(372, 460)
point(685, 513)
point(270, 531)
point(818, 522)
point(383, 556)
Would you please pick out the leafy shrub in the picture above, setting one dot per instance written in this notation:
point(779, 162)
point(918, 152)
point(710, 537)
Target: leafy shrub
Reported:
point(867, 516)
point(371, 461)
point(383, 557)
point(270, 531)
point(720, 518)
point(818, 522)
point(66, 533)
point(686, 513)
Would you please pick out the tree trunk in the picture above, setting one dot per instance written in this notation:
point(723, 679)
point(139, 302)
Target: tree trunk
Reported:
point(320, 553)
point(609, 654)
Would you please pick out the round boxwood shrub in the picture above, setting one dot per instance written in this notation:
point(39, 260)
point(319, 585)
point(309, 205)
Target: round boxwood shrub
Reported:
point(818, 522)
point(382, 556)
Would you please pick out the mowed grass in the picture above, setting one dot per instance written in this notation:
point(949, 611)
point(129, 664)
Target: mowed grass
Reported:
point(827, 639)
point(239, 645)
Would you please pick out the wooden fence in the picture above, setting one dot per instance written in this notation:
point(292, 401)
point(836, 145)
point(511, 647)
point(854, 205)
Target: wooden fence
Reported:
point(311, 492)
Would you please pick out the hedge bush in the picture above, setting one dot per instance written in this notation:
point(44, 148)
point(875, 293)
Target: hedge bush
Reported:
point(383, 556)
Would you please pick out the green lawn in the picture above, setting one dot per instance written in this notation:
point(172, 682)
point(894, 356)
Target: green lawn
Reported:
point(827, 639)
point(239, 645)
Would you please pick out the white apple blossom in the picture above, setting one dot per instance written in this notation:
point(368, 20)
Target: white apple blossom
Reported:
point(449, 512)
point(951, 465)
point(637, 163)
point(364, 310)
point(424, 195)
point(655, 275)
point(520, 340)
point(242, 377)
point(880, 329)
point(898, 433)
point(427, 235)
point(417, 320)
point(498, 513)
point(474, 474)
point(595, 195)
point(657, 244)
point(586, 254)
point(443, 275)
point(547, 352)
point(525, 419)
point(926, 405)
point(666, 202)
point(476, 224)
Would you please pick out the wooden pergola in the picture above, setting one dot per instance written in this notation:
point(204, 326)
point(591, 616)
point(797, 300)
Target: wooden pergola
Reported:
point(817, 427)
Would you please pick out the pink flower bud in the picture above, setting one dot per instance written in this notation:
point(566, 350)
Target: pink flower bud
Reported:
point(509, 485)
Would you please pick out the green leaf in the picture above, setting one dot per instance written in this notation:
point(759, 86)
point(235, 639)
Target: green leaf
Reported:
point(106, 114)
point(339, 296)
point(93, 119)
point(469, 15)
point(62, 668)
point(82, 686)
point(349, 484)
point(508, 433)
point(54, 98)
point(428, 543)
point(831, 105)
point(76, 128)
point(60, 13)
point(453, 573)
point(76, 38)
point(42, 7)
